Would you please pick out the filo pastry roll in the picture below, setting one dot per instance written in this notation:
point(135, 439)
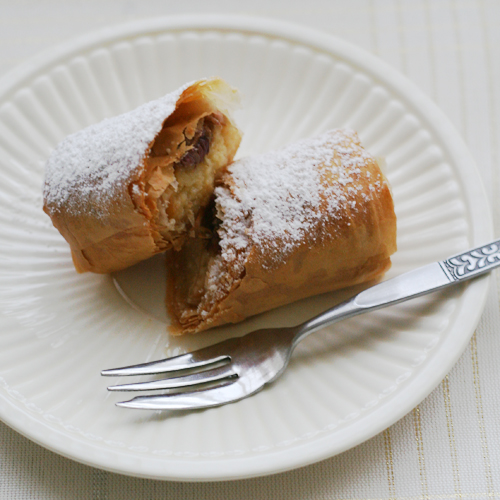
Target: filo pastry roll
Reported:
point(313, 217)
point(134, 185)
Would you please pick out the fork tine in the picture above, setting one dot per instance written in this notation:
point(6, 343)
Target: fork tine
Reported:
point(200, 359)
point(219, 374)
point(189, 400)
point(190, 360)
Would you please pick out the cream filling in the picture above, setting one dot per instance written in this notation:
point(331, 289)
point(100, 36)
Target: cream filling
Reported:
point(180, 183)
point(189, 191)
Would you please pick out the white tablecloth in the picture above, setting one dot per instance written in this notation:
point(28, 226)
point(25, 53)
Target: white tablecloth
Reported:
point(449, 446)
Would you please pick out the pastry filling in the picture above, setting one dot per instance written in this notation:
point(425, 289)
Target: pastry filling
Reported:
point(182, 168)
point(201, 253)
point(206, 276)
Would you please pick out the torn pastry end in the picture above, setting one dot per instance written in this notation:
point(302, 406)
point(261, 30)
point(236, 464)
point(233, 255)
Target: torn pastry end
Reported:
point(310, 218)
point(132, 186)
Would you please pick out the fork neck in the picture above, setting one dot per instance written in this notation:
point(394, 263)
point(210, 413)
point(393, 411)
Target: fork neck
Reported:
point(341, 311)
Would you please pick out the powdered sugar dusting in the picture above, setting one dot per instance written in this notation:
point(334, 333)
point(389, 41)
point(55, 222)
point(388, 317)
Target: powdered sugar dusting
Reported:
point(277, 198)
point(90, 167)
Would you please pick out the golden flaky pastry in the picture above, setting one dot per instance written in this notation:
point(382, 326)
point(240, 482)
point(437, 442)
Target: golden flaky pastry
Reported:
point(134, 185)
point(313, 217)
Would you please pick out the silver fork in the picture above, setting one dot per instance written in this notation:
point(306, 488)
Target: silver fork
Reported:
point(239, 367)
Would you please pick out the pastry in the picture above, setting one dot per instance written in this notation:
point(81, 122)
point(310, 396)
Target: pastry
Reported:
point(313, 217)
point(135, 185)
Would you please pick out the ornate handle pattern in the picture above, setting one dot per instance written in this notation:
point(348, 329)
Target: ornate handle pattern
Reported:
point(474, 261)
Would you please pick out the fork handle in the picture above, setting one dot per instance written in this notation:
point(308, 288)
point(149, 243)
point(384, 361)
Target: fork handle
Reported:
point(412, 284)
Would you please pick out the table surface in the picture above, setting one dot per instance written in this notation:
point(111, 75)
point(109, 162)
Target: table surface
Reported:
point(449, 445)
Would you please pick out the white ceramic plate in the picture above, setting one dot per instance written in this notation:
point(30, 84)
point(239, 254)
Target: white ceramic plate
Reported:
point(344, 384)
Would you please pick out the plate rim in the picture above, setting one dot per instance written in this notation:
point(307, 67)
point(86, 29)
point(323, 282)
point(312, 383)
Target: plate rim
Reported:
point(319, 449)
